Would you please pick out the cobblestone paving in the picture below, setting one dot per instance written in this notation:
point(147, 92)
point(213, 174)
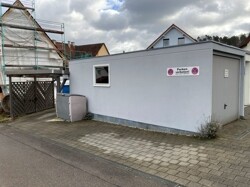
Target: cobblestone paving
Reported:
point(185, 160)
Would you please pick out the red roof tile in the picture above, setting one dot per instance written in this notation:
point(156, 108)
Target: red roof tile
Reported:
point(77, 51)
point(244, 43)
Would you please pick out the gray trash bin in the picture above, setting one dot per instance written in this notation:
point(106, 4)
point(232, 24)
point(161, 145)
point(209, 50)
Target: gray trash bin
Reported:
point(71, 107)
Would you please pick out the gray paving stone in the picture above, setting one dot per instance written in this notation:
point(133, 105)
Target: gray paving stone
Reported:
point(246, 169)
point(216, 172)
point(171, 178)
point(191, 161)
point(205, 164)
point(162, 169)
point(202, 155)
point(216, 184)
point(156, 161)
point(182, 181)
point(206, 182)
point(174, 161)
point(230, 183)
point(204, 169)
point(172, 172)
point(242, 179)
point(182, 175)
point(193, 184)
point(165, 159)
point(172, 166)
point(153, 166)
point(221, 162)
point(227, 170)
point(242, 185)
point(184, 159)
point(239, 173)
point(194, 178)
point(214, 167)
point(194, 172)
point(183, 169)
point(161, 174)
point(152, 171)
point(228, 176)
point(164, 164)
point(184, 164)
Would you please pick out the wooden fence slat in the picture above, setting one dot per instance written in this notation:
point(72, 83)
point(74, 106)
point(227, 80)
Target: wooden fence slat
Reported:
point(32, 96)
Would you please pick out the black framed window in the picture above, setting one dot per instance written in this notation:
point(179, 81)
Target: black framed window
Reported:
point(101, 75)
point(181, 41)
point(166, 42)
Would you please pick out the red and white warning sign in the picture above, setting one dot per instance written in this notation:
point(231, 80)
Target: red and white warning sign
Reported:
point(183, 71)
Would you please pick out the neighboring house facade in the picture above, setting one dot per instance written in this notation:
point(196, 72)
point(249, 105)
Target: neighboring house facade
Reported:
point(25, 44)
point(73, 51)
point(172, 36)
point(246, 46)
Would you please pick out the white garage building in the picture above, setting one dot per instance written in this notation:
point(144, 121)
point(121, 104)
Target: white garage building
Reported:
point(247, 77)
point(246, 46)
point(173, 89)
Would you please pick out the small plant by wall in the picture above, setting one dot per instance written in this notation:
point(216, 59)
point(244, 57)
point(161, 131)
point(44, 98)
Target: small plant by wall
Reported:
point(88, 116)
point(209, 130)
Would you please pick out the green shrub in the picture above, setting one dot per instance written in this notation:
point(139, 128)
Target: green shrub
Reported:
point(88, 116)
point(209, 130)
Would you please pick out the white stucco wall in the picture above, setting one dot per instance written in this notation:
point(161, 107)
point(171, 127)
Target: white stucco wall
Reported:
point(247, 76)
point(141, 91)
point(247, 47)
point(247, 84)
point(173, 36)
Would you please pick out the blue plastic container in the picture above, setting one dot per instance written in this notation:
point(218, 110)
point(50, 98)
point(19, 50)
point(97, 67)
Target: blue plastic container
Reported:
point(66, 89)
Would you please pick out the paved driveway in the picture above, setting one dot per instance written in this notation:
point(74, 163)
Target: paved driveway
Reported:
point(185, 160)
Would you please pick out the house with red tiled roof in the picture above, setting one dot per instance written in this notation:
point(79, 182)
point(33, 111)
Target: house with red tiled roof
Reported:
point(172, 36)
point(73, 51)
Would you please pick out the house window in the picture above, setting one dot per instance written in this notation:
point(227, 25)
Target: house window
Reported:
point(101, 75)
point(166, 42)
point(181, 41)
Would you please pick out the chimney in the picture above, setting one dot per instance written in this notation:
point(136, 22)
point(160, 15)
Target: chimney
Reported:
point(73, 44)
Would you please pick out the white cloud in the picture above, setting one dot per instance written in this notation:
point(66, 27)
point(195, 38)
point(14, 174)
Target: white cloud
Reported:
point(126, 25)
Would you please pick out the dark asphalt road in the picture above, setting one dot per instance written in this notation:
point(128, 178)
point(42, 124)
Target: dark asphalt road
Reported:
point(26, 160)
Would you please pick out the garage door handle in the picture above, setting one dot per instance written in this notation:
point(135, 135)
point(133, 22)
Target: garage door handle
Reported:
point(225, 106)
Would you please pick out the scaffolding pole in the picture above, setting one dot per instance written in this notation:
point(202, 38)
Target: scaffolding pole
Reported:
point(30, 28)
point(16, 7)
point(35, 35)
point(3, 75)
point(13, 39)
point(30, 47)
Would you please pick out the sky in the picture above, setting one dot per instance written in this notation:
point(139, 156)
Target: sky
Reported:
point(129, 25)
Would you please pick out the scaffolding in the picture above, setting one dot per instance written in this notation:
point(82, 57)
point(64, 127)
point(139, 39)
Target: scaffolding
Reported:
point(25, 41)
